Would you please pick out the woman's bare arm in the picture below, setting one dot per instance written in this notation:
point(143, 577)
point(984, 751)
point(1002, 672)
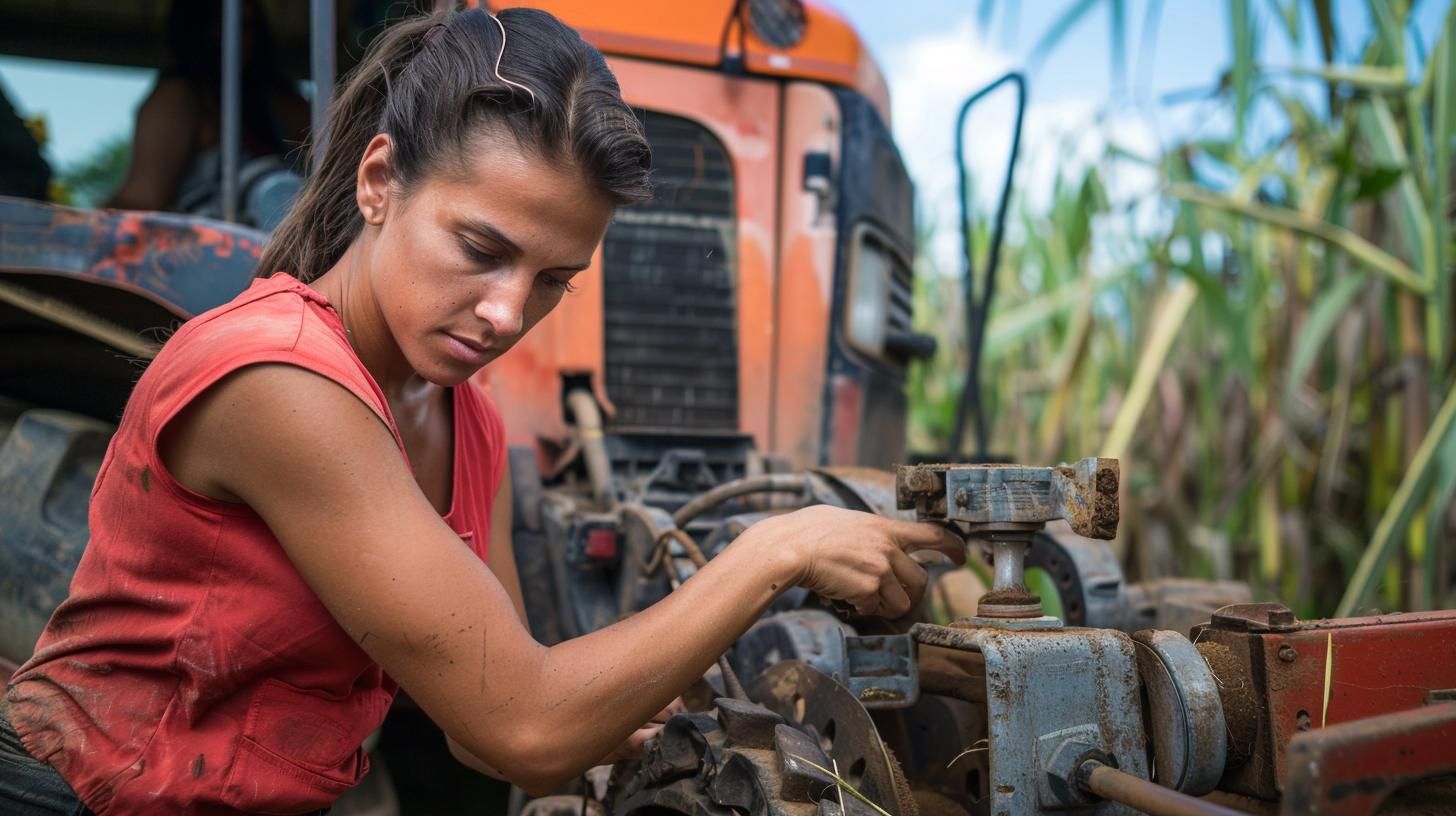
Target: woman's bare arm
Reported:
point(500, 551)
point(438, 620)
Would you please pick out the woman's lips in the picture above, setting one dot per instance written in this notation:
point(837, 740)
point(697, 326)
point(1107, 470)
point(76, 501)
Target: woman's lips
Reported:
point(467, 351)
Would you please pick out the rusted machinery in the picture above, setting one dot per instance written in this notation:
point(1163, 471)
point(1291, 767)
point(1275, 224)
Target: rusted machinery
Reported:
point(1014, 712)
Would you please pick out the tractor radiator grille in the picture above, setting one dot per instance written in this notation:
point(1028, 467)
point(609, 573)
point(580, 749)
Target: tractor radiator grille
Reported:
point(670, 289)
point(902, 288)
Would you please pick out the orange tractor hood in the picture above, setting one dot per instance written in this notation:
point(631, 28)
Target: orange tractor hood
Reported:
point(693, 34)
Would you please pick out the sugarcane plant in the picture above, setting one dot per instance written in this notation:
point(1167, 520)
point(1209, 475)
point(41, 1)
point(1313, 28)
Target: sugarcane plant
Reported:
point(1271, 354)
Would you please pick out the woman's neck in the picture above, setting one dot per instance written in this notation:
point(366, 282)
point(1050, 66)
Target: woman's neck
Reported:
point(346, 285)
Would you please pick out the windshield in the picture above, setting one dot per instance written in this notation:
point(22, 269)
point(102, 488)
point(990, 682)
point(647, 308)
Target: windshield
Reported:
point(82, 116)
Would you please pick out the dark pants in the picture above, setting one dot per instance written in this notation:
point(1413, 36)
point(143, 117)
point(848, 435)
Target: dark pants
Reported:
point(29, 787)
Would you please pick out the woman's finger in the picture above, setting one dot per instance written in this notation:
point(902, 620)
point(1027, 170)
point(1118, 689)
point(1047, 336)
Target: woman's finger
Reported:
point(675, 707)
point(910, 575)
point(919, 535)
point(894, 601)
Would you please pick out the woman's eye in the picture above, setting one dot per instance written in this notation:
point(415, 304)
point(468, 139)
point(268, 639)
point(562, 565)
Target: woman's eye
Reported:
point(557, 284)
point(476, 254)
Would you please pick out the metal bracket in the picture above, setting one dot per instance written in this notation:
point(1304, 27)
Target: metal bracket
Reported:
point(1084, 494)
point(880, 670)
point(1058, 684)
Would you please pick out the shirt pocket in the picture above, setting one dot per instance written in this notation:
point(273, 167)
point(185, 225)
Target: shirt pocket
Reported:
point(300, 749)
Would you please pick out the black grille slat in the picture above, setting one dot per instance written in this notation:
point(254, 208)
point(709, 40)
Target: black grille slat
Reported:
point(670, 289)
point(902, 285)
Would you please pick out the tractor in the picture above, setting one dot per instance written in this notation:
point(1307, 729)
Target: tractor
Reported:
point(741, 350)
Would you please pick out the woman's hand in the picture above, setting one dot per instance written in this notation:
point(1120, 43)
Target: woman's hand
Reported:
point(860, 558)
point(632, 747)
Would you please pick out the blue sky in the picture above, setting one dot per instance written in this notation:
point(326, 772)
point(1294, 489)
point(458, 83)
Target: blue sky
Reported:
point(933, 56)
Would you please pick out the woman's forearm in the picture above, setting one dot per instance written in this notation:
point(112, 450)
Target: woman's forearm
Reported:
point(591, 692)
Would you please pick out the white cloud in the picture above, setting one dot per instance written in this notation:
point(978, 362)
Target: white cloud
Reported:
point(932, 75)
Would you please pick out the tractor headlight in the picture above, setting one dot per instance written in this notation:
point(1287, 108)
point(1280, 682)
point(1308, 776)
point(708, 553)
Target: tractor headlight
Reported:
point(867, 317)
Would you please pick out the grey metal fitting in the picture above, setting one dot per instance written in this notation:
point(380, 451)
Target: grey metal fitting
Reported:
point(1059, 754)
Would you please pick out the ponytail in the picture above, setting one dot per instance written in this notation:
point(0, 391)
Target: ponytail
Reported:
point(436, 84)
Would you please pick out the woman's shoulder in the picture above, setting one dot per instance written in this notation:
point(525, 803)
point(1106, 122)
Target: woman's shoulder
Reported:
point(276, 319)
point(272, 312)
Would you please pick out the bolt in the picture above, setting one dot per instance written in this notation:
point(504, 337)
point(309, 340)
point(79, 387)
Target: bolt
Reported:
point(1286, 653)
point(962, 498)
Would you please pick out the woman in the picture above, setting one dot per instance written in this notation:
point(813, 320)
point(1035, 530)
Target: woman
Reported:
point(306, 504)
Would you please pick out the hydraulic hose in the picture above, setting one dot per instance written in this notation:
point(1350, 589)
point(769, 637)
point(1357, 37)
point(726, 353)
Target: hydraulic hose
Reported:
point(1149, 797)
point(766, 483)
point(593, 445)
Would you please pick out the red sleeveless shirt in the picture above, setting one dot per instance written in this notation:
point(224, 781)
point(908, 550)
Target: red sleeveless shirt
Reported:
point(191, 669)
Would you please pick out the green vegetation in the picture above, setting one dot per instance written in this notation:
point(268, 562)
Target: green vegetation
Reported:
point(1272, 357)
point(89, 181)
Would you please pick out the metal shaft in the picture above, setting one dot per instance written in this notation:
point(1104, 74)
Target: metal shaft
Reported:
point(1149, 797)
point(1009, 559)
point(321, 61)
point(231, 93)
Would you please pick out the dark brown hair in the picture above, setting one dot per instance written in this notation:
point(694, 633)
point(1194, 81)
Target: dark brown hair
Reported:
point(440, 85)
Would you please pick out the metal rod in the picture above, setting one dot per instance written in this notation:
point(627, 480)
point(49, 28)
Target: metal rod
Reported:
point(78, 320)
point(1009, 558)
point(767, 483)
point(232, 83)
point(322, 68)
point(1140, 794)
point(731, 683)
point(978, 309)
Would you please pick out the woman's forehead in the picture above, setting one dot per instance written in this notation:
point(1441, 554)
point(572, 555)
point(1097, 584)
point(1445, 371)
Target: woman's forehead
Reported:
point(525, 196)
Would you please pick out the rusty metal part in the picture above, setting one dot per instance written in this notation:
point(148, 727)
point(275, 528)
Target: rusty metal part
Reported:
point(881, 670)
point(1008, 597)
point(1083, 494)
point(1003, 506)
point(1270, 668)
point(1094, 592)
point(1185, 714)
point(1177, 604)
point(767, 483)
point(1109, 783)
point(862, 488)
point(759, 760)
point(1050, 696)
point(951, 672)
point(828, 710)
point(187, 264)
point(1351, 769)
point(731, 683)
point(747, 725)
point(811, 635)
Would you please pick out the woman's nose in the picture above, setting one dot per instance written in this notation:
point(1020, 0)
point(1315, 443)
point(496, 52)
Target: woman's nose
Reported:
point(503, 305)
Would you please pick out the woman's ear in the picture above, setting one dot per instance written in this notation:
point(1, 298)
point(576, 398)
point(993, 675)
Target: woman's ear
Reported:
point(375, 175)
